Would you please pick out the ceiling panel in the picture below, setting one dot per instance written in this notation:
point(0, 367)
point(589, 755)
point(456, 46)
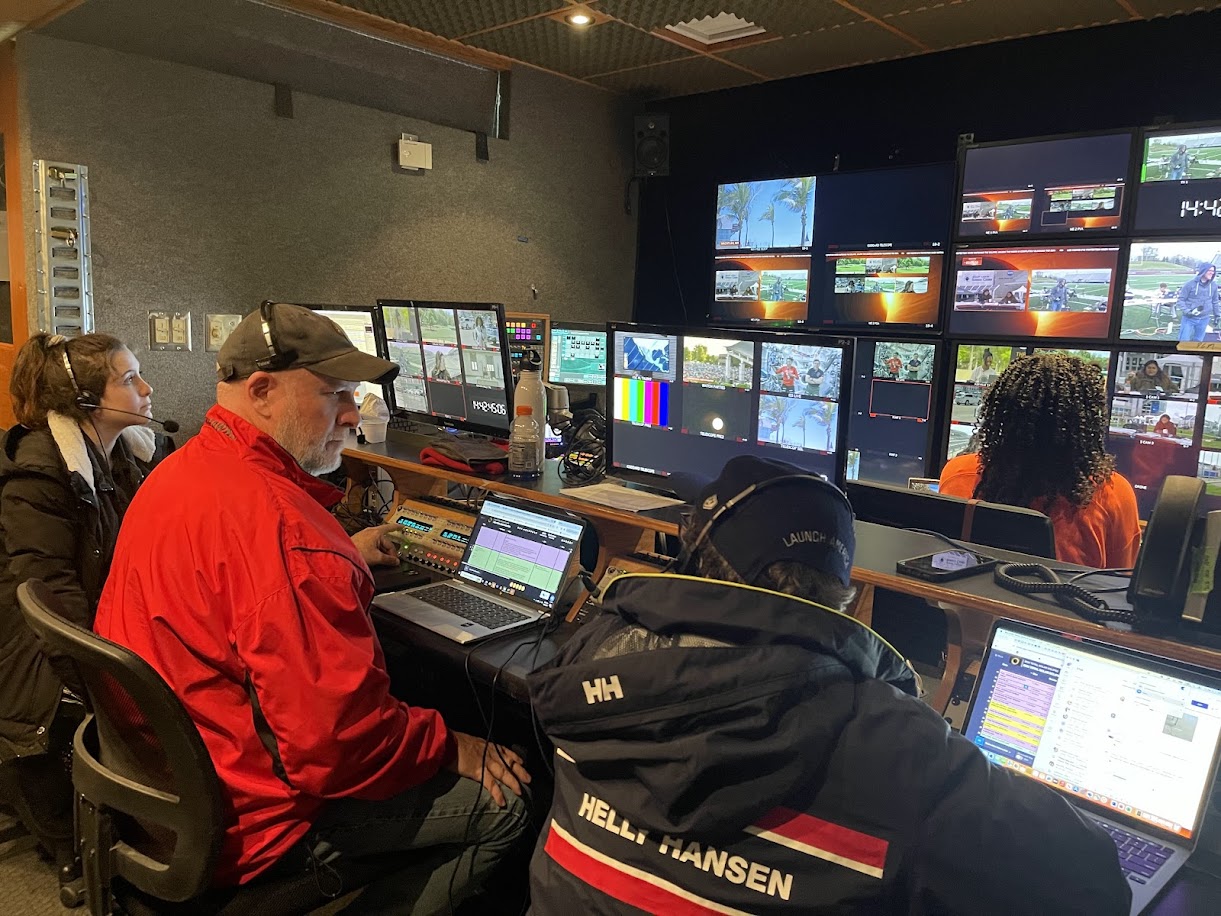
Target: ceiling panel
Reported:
point(681, 77)
point(1152, 8)
point(827, 50)
point(453, 17)
point(973, 21)
point(556, 46)
point(780, 17)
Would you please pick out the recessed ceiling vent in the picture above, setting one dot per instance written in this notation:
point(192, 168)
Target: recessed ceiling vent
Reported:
point(713, 30)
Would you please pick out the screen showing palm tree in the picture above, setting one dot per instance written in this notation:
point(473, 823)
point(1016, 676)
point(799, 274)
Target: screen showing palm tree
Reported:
point(765, 215)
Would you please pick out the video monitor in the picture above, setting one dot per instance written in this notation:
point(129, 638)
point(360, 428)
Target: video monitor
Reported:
point(772, 215)
point(453, 363)
point(578, 355)
point(362, 324)
point(888, 288)
point(1062, 292)
point(1159, 421)
point(889, 431)
point(1172, 291)
point(1045, 187)
point(769, 290)
point(688, 402)
point(526, 331)
point(976, 367)
point(1180, 181)
point(880, 239)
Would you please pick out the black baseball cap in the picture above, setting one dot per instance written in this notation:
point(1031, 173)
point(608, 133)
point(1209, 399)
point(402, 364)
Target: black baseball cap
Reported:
point(779, 512)
point(281, 336)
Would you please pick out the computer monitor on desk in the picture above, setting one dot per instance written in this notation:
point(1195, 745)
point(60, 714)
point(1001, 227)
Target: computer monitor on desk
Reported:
point(989, 524)
point(577, 355)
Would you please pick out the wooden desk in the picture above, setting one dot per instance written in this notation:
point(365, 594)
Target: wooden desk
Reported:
point(970, 604)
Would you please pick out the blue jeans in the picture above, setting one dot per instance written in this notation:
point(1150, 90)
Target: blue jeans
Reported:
point(449, 830)
point(1193, 329)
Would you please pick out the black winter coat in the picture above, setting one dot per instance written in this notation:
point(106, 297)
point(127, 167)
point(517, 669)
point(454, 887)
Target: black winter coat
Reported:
point(60, 509)
point(727, 749)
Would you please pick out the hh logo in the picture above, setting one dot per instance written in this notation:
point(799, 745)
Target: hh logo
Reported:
point(601, 689)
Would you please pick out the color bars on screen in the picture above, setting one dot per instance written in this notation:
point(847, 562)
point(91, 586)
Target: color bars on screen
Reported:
point(639, 400)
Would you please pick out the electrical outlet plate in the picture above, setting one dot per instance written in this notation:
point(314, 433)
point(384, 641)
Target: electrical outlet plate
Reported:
point(169, 331)
point(219, 328)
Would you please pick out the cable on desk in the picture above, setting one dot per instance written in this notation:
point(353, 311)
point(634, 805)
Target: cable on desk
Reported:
point(1069, 596)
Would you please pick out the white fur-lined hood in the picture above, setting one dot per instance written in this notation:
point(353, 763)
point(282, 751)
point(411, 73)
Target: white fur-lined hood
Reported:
point(70, 441)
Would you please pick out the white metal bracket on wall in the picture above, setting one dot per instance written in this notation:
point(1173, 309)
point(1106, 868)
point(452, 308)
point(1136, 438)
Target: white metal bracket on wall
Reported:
point(61, 232)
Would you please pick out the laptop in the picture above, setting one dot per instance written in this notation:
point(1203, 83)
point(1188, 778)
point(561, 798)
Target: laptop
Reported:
point(1131, 740)
point(512, 573)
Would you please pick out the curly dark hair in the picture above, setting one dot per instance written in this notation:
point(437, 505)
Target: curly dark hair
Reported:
point(1043, 432)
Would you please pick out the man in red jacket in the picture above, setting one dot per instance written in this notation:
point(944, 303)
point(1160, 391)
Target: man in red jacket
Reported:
point(234, 581)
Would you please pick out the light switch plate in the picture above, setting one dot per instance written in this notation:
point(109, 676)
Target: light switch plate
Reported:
point(169, 331)
point(219, 328)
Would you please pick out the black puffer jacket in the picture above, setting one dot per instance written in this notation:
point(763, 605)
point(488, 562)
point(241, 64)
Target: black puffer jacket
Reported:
point(60, 509)
point(726, 749)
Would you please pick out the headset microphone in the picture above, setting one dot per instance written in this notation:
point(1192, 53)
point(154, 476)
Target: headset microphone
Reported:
point(170, 426)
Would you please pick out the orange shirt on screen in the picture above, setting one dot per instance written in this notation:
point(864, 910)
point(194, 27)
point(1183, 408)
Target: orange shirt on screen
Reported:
point(1105, 534)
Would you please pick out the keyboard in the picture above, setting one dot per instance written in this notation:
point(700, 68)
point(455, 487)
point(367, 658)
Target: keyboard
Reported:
point(470, 607)
point(1139, 858)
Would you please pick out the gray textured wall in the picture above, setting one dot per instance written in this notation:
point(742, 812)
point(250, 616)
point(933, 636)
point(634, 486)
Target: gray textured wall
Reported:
point(202, 199)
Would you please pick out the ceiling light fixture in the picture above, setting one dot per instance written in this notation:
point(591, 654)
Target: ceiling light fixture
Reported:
point(579, 18)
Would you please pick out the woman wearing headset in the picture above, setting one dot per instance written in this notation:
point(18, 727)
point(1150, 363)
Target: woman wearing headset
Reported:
point(67, 475)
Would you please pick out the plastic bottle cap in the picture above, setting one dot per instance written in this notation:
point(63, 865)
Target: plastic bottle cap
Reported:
point(525, 410)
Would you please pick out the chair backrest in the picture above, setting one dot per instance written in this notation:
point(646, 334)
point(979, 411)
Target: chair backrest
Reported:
point(139, 759)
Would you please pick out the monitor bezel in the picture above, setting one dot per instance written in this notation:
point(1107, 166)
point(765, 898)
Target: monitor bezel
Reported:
point(791, 250)
point(572, 326)
point(1000, 240)
point(452, 422)
point(1142, 135)
point(842, 342)
point(1122, 654)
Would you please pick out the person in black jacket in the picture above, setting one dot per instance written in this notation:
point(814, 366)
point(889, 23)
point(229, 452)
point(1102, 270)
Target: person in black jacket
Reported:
point(742, 746)
point(67, 474)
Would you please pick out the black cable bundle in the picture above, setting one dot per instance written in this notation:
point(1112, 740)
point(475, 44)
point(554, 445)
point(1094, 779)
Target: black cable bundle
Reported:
point(584, 457)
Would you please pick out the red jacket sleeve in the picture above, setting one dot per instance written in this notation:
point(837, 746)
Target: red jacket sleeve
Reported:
point(317, 674)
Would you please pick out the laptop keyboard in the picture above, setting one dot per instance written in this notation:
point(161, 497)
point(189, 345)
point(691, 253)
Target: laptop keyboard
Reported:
point(469, 607)
point(1139, 858)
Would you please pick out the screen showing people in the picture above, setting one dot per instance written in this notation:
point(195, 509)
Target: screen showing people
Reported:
point(976, 368)
point(1155, 415)
point(1045, 187)
point(892, 400)
point(578, 356)
point(451, 363)
point(1180, 181)
point(874, 289)
point(1172, 291)
point(690, 403)
point(764, 289)
point(1034, 292)
point(770, 215)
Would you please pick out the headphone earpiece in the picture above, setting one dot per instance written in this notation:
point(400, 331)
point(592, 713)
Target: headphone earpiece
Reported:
point(277, 358)
point(85, 400)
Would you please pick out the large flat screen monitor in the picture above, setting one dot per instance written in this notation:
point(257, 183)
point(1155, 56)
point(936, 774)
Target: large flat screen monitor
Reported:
point(453, 363)
point(760, 289)
point(1180, 181)
point(363, 325)
point(1164, 421)
point(889, 428)
point(1045, 187)
point(775, 214)
point(578, 354)
point(690, 401)
point(975, 367)
point(1049, 291)
point(1169, 295)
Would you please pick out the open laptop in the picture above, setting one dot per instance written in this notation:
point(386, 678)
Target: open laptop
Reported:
point(512, 573)
point(1132, 741)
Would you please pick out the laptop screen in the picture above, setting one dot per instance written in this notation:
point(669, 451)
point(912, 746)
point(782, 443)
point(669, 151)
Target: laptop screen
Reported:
point(519, 552)
point(1111, 728)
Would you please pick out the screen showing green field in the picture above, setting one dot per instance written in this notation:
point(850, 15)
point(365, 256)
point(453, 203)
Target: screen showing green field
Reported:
point(578, 357)
point(520, 553)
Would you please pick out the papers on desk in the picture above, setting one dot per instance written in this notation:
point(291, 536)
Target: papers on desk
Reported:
point(617, 497)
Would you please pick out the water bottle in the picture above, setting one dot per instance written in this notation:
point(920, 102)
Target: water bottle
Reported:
point(529, 388)
point(525, 444)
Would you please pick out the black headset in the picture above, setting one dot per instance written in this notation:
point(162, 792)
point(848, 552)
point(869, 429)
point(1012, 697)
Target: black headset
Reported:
point(277, 357)
point(85, 400)
point(685, 556)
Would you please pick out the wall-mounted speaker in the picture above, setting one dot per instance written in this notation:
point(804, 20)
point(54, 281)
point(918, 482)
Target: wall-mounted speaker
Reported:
point(652, 145)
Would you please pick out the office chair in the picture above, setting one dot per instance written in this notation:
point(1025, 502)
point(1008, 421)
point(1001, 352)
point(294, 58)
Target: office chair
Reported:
point(148, 802)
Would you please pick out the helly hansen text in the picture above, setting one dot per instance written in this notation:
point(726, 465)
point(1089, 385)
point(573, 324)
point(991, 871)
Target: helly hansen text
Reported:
point(601, 689)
